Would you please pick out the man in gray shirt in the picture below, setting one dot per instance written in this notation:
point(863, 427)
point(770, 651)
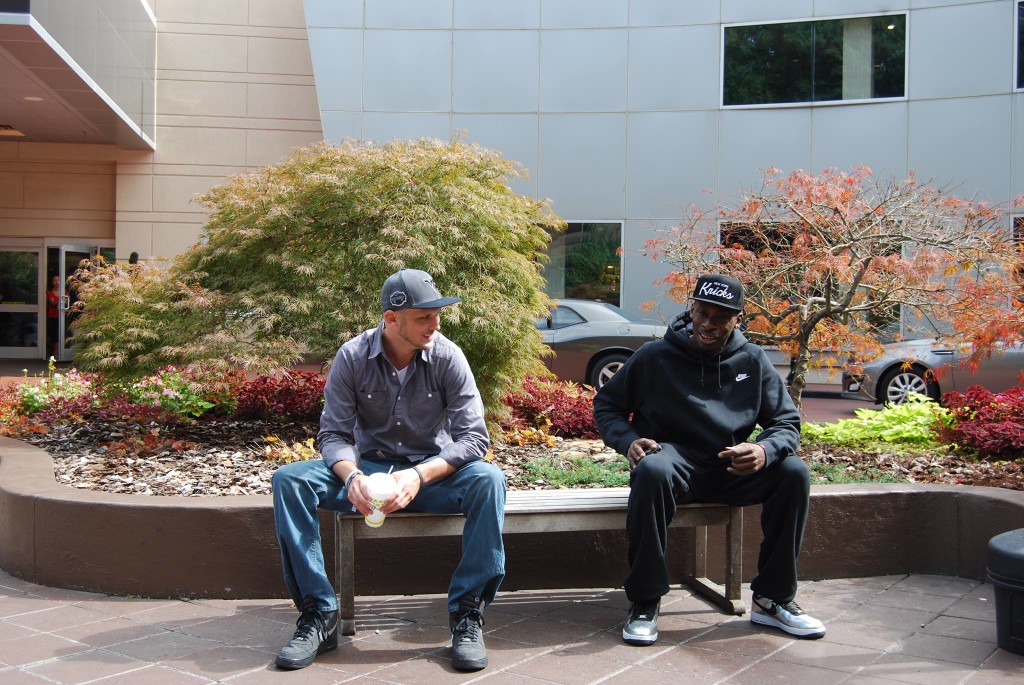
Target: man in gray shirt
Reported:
point(399, 399)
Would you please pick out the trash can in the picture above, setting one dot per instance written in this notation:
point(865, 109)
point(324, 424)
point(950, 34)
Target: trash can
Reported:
point(1006, 573)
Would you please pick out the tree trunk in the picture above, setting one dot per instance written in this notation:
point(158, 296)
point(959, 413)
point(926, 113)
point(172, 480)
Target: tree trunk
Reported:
point(798, 374)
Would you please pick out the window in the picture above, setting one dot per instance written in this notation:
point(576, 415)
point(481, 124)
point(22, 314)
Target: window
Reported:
point(858, 58)
point(1020, 44)
point(585, 262)
point(560, 317)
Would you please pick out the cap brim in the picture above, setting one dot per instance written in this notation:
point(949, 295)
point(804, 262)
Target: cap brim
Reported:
point(720, 304)
point(436, 304)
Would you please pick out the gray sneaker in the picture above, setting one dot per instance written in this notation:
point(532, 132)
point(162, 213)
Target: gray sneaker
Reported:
point(787, 616)
point(316, 633)
point(642, 623)
point(467, 625)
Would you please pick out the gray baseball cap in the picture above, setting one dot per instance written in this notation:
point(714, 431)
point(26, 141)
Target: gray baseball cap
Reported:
point(412, 289)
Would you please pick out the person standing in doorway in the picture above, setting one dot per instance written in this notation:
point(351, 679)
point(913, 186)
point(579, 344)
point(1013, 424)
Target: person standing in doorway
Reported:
point(53, 318)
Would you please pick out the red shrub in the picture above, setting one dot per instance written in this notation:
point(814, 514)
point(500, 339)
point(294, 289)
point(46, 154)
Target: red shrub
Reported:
point(296, 396)
point(8, 398)
point(565, 409)
point(217, 387)
point(991, 423)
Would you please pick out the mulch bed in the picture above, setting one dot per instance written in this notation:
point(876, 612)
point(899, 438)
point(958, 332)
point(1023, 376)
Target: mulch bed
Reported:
point(230, 458)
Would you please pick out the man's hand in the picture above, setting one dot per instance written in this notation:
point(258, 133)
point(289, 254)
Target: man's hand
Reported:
point(357, 494)
point(639, 448)
point(747, 458)
point(407, 485)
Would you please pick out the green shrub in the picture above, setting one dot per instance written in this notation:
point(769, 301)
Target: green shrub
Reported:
point(293, 257)
point(186, 392)
point(566, 473)
point(912, 423)
point(34, 397)
point(836, 474)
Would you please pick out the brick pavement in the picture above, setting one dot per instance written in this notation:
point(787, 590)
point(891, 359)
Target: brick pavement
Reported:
point(930, 630)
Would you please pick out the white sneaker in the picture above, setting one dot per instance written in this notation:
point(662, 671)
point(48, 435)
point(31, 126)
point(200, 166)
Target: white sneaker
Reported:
point(788, 617)
point(642, 623)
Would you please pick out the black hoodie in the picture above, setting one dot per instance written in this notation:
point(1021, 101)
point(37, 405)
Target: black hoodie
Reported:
point(700, 403)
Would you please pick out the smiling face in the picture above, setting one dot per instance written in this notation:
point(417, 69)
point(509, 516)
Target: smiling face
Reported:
point(409, 330)
point(712, 325)
point(417, 327)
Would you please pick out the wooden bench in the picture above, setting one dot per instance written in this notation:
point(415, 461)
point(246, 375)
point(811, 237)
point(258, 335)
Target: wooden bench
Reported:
point(553, 511)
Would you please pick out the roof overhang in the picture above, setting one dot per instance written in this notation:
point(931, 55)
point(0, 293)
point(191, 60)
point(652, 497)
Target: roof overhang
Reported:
point(46, 96)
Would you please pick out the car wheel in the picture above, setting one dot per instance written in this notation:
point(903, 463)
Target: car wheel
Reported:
point(898, 384)
point(605, 368)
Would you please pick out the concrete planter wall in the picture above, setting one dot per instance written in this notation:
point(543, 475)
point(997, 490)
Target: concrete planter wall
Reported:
point(225, 546)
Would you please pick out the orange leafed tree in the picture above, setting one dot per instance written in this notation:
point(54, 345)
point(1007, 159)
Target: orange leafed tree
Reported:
point(833, 262)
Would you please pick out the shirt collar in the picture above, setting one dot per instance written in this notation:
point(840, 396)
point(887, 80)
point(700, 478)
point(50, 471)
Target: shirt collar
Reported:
point(376, 347)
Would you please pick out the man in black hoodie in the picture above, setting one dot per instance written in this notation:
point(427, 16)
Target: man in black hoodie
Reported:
point(682, 410)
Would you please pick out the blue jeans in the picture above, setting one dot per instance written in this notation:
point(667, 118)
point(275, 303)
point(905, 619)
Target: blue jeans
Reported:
point(476, 489)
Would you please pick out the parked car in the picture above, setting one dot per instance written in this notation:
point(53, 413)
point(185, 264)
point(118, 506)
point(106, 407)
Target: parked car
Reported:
point(931, 368)
point(592, 340)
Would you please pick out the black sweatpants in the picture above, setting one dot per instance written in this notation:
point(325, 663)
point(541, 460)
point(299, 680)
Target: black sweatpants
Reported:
point(666, 479)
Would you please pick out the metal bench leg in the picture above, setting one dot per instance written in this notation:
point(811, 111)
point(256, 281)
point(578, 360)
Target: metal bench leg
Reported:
point(345, 569)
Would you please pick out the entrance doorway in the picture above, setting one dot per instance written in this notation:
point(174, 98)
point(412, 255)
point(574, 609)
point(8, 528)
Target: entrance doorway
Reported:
point(36, 305)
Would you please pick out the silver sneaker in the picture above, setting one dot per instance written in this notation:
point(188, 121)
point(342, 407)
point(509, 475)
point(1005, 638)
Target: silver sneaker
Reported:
point(642, 623)
point(788, 616)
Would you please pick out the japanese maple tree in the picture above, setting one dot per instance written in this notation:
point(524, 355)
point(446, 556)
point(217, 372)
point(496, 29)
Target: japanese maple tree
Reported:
point(291, 262)
point(832, 262)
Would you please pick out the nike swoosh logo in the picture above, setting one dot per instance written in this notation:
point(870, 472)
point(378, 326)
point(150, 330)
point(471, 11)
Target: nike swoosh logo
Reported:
point(742, 377)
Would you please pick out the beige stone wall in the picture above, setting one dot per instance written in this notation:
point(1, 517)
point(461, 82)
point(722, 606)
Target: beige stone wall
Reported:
point(235, 91)
point(57, 191)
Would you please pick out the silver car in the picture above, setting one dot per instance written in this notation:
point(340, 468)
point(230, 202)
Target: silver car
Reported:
point(592, 340)
point(931, 368)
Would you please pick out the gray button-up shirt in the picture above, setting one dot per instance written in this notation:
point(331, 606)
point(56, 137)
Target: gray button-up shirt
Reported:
point(436, 411)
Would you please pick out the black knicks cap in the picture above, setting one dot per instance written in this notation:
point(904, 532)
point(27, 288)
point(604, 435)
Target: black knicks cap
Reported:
point(412, 289)
point(719, 289)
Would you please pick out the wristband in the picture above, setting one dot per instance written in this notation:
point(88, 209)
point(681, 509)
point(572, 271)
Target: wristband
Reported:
point(420, 474)
point(348, 481)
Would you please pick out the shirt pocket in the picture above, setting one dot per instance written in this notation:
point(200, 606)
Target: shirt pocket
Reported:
point(373, 408)
point(429, 409)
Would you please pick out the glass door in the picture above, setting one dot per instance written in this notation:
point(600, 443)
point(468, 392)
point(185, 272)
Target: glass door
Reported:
point(21, 297)
point(70, 257)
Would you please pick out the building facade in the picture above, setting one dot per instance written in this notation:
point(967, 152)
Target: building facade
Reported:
point(623, 112)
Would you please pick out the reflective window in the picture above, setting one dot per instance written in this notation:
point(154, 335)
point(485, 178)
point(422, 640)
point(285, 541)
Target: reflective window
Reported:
point(562, 317)
point(19, 329)
point(858, 58)
point(19, 299)
point(585, 262)
point(19, 277)
point(1020, 44)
